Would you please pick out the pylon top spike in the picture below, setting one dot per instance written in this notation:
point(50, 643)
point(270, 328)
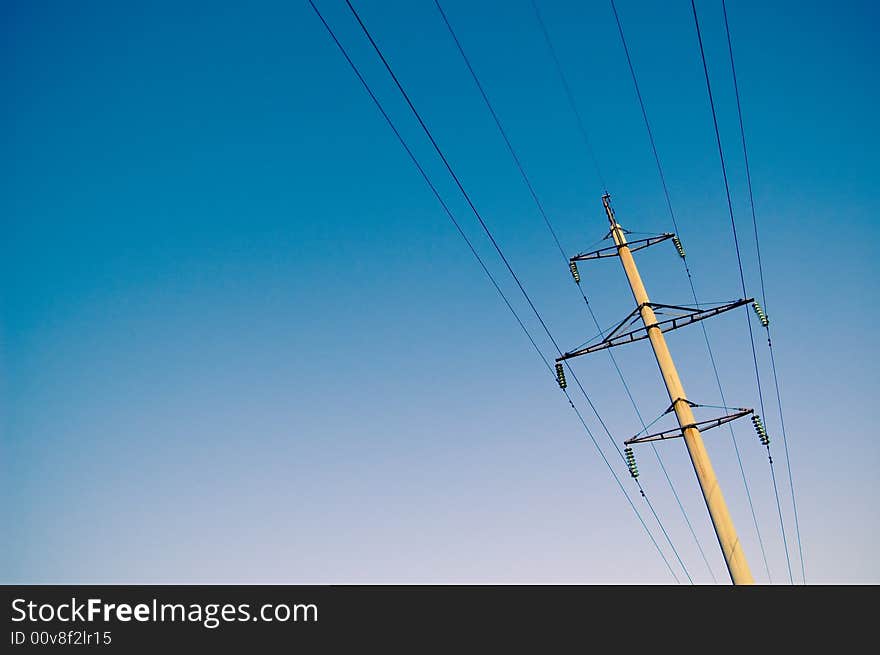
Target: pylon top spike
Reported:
point(609, 211)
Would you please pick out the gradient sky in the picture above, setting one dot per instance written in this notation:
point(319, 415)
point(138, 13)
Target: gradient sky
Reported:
point(242, 343)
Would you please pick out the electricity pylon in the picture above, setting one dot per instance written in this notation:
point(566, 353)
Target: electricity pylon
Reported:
point(689, 428)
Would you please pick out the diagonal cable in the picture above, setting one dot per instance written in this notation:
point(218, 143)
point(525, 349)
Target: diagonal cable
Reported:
point(549, 225)
point(501, 254)
point(491, 278)
point(741, 273)
point(568, 94)
point(742, 132)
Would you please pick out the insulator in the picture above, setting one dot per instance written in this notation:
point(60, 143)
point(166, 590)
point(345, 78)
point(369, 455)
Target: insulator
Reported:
point(760, 430)
point(678, 245)
point(631, 462)
point(574, 272)
point(560, 375)
point(761, 315)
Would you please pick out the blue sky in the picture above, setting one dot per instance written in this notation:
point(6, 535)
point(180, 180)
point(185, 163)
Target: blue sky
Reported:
point(242, 343)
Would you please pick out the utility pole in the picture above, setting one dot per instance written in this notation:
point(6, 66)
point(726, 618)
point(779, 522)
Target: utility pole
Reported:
point(721, 520)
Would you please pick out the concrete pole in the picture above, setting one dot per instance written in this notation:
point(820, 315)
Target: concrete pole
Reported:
point(723, 524)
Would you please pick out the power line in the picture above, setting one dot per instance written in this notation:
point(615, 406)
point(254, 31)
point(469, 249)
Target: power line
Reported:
point(491, 278)
point(763, 291)
point(741, 274)
point(577, 114)
point(690, 278)
point(451, 172)
point(620, 485)
point(501, 129)
point(549, 225)
point(497, 247)
point(433, 188)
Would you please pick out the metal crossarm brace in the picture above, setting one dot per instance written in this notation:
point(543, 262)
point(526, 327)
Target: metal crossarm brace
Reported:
point(611, 251)
point(667, 325)
point(683, 308)
point(702, 426)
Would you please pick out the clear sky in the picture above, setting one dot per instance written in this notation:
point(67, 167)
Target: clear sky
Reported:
point(242, 343)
